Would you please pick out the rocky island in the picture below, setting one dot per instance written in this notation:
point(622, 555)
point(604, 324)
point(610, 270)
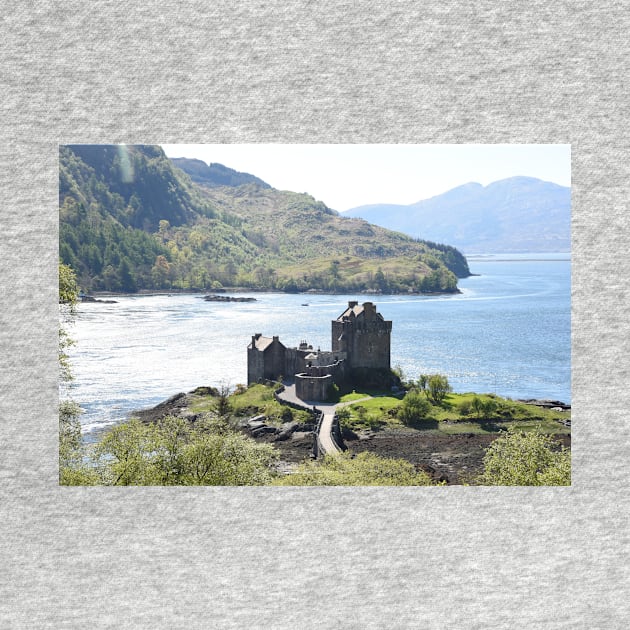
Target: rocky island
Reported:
point(227, 298)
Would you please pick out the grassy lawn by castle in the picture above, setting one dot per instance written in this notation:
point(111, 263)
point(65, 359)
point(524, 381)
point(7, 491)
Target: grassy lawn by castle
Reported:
point(245, 402)
point(454, 415)
point(374, 410)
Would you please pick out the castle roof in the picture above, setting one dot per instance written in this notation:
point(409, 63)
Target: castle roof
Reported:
point(262, 343)
point(355, 310)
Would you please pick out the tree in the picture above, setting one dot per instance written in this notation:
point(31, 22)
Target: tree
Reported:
point(334, 269)
point(464, 407)
point(477, 406)
point(343, 414)
point(164, 227)
point(423, 381)
point(413, 408)
point(175, 452)
point(68, 298)
point(127, 279)
point(160, 272)
point(72, 469)
point(526, 459)
point(380, 281)
point(437, 388)
point(230, 459)
point(483, 408)
point(68, 288)
point(265, 276)
point(127, 453)
point(223, 406)
point(111, 281)
point(364, 469)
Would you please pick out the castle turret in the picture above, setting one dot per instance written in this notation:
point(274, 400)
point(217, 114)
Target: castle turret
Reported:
point(364, 335)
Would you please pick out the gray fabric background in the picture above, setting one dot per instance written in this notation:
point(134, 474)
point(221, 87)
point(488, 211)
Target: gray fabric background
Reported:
point(331, 72)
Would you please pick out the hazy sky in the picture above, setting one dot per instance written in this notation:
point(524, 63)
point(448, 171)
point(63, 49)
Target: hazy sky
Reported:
point(347, 175)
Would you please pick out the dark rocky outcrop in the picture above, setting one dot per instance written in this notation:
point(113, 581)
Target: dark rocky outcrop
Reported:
point(175, 406)
point(90, 298)
point(227, 298)
point(286, 431)
point(547, 404)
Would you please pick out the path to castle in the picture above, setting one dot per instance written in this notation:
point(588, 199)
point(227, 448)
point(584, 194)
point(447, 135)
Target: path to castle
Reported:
point(326, 440)
point(325, 432)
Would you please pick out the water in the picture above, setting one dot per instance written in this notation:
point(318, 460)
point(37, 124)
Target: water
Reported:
point(509, 332)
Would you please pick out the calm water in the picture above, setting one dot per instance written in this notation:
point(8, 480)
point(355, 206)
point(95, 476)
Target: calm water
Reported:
point(509, 332)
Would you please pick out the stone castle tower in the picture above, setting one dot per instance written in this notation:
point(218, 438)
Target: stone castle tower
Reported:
point(364, 336)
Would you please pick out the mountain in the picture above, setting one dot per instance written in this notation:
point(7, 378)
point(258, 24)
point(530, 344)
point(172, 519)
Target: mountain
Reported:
point(519, 214)
point(214, 175)
point(130, 219)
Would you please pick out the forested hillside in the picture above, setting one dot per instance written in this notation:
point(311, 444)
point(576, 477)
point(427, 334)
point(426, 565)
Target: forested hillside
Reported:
point(130, 220)
point(214, 175)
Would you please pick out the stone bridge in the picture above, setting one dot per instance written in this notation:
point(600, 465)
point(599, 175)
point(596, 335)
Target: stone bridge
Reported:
point(328, 439)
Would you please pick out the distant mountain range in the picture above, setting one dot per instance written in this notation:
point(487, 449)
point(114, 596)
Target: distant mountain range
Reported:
point(519, 214)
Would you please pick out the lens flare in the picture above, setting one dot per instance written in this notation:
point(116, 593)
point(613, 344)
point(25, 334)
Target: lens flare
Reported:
point(126, 167)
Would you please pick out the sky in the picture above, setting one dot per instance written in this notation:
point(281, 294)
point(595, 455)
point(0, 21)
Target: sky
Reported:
point(345, 176)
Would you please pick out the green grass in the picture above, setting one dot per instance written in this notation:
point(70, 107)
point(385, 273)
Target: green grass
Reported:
point(380, 403)
point(379, 412)
point(255, 400)
point(353, 396)
point(202, 404)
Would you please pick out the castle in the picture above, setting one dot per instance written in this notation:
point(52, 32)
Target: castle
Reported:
point(361, 340)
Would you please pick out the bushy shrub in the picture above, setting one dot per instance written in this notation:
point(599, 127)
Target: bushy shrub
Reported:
point(414, 408)
point(484, 408)
point(364, 469)
point(464, 407)
point(333, 393)
point(434, 386)
point(526, 459)
point(174, 452)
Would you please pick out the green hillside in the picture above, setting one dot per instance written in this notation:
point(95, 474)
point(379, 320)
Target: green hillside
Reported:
point(130, 220)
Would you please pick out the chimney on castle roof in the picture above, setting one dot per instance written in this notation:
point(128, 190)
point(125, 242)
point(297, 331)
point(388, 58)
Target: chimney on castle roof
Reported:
point(352, 304)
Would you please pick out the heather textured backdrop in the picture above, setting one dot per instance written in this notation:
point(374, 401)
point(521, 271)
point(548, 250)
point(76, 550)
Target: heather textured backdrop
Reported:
point(332, 72)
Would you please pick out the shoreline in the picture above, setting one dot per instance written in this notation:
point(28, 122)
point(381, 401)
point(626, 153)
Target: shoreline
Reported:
point(226, 290)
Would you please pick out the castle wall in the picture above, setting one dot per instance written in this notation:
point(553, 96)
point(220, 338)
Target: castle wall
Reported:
point(255, 365)
point(371, 345)
point(295, 361)
point(314, 388)
point(316, 380)
point(340, 331)
point(275, 365)
point(266, 359)
point(328, 358)
point(365, 337)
